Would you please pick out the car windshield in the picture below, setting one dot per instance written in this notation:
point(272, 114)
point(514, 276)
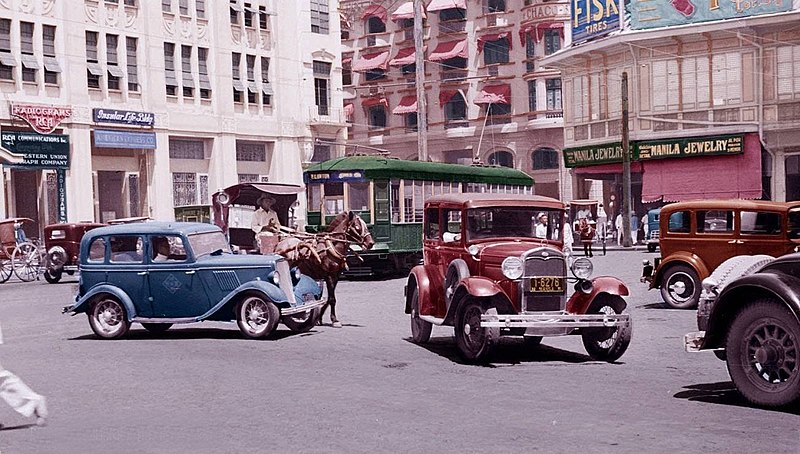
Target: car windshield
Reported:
point(525, 222)
point(207, 243)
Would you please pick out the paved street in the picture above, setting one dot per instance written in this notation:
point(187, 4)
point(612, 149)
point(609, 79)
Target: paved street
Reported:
point(366, 388)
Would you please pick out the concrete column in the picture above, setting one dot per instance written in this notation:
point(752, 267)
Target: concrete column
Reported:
point(159, 184)
point(779, 176)
point(222, 170)
point(3, 211)
point(80, 187)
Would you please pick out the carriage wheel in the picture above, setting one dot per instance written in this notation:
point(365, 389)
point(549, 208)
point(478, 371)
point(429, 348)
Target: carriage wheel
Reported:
point(26, 261)
point(6, 270)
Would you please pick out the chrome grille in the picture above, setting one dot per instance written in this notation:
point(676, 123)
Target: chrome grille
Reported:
point(285, 280)
point(543, 262)
point(227, 280)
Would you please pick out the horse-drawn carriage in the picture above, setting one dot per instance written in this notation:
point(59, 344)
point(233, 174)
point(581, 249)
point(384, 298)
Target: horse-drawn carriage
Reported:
point(18, 254)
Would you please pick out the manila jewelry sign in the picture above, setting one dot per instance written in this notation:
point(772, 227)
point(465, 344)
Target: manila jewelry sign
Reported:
point(691, 147)
point(594, 155)
point(43, 119)
point(124, 117)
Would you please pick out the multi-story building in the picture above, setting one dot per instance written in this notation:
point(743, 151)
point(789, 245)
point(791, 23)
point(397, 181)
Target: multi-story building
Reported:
point(147, 107)
point(714, 102)
point(488, 98)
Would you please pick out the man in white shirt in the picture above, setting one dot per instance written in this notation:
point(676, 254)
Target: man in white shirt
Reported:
point(21, 397)
point(541, 225)
point(265, 224)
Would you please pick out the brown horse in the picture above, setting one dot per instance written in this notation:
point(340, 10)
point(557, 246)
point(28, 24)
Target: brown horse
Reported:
point(323, 256)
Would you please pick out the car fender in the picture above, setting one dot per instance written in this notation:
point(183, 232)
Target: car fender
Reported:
point(739, 292)
point(306, 286)
point(580, 302)
point(429, 283)
point(482, 288)
point(270, 291)
point(680, 258)
point(82, 305)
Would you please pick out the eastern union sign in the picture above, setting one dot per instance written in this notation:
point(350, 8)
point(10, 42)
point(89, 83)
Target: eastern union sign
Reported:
point(40, 151)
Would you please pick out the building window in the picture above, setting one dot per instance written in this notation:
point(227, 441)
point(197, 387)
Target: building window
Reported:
point(454, 63)
point(788, 73)
point(322, 81)
point(263, 18)
point(129, 3)
point(376, 115)
point(250, 67)
point(266, 89)
point(553, 91)
point(410, 120)
point(49, 40)
point(456, 108)
point(166, 6)
point(238, 86)
point(26, 37)
point(347, 72)
point(114, 73)
point(793, 178)
point(495, 51)
point(169, 69)
point(133, 69)
point(183, 7)
point(320, 17)
point(495, 6)
point(498, 110)
point(374, 74)
point(532, 95)
point(251, 152)
point(322, 153)
point(530, 52)
point(200, 8)
point(409, 69)
point(248, 15)
point(186, 149)
point(186, 71)
point(501, 158)
point(375, 25)
point(552, 41)
point(184, 188)
point(5, 35)
point(202, 69)
point(544, 158)
point(726, 77)
point(235, 10)
point(91, 47)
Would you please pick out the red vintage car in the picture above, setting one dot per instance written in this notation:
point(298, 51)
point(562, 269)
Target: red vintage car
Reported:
point(494, 266)
point(62, 243)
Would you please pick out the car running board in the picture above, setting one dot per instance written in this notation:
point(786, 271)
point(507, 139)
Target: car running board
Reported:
point(166, 320)
point(432, 319)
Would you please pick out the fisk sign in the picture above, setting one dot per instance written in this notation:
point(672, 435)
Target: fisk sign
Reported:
point(593, 18)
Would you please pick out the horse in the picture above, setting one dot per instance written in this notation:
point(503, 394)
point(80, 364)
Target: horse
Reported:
point(323, 256)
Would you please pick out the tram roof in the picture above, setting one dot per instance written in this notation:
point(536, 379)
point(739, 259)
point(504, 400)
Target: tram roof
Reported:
point(381, 167)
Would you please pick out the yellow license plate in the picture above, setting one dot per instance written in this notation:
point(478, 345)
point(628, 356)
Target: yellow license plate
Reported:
point(547, 284)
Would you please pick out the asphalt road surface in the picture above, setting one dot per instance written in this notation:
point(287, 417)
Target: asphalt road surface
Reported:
point(365, 388)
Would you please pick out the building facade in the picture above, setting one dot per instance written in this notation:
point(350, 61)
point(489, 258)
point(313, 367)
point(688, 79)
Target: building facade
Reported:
point(160, 104)
point(714, 104)
point(488, 98)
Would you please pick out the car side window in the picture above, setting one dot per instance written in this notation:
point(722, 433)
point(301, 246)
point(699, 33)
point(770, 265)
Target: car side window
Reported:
point(97, 250)
point(761, 223)
point(794, 224)
point(167, 249)
point(715, 221)
point(126, 249)
point(432, 227)
point(680, 222)
point(452, 227)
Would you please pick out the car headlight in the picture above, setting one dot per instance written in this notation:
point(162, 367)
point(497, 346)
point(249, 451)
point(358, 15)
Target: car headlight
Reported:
point(275, 277)
point(710, 285)
point(474, 250)
point(223, 198)
point(512, 267)
point(58, 234)
point(296, 275)
point(582, 268)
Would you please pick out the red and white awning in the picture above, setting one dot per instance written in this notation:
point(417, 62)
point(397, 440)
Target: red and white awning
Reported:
point(406, 11)
point(405, 56)
point(494, 94)
point(538, 30)
point(482, 40)
point(446, 95)
point(372, 61)
point(371, 102)
point(375, 10)
point(407, 105)
point(349, 110)
point(438, 5)
point(448, 50)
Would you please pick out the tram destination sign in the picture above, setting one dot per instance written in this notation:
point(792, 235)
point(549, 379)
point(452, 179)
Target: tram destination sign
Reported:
point(350, 175)
point(40, 151)
point(691, 147)
point(124, 117)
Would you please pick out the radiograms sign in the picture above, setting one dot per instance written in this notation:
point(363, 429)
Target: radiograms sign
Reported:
point(593, 18)
point(43, 119)
point(662, 13)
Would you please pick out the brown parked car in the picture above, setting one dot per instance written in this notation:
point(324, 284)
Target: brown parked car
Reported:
point(697, 236)
point(62, 243)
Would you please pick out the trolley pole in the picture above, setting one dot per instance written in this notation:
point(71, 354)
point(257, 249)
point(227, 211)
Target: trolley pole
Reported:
point(626, 167)
point(419, 62)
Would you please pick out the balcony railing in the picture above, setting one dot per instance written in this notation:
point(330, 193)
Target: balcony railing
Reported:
point(326, 114)
point(453, 75)
point(452, 26)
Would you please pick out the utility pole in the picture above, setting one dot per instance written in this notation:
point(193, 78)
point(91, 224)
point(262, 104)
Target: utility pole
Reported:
point(419, 62)
point(626, 167)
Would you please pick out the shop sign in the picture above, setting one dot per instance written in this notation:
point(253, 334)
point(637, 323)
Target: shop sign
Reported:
point(334, 176)
point(663, 13)
point(691, 147)
point(40, 151)
point(43, 119)
point(121, 139)
point(552, 11)
point(124, 117)
point(593, 18)
point(61, 187)
point(594, 155)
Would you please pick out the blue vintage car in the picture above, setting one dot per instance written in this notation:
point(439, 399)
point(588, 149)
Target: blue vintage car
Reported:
point(162, 273)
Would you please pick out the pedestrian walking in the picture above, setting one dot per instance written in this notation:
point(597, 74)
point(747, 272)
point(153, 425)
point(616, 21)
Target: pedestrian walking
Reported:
point(587, 236)
point(618, 227)
point(634, 227)
point(21, 397)
point(568, 239)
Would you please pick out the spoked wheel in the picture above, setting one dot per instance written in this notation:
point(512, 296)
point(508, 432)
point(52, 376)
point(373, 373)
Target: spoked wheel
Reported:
point(680, 287)
point(607, 344)
point(257, 317)
point(6, 270)
point(474, 342)
point(303, 321)
point(108, 318)
point(420, 329)
point(763, 354)
point(26, 261)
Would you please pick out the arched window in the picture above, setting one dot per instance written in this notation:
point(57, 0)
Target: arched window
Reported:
point(501, 158)
point(375, 25)
point(544, 158)
point(456, 108)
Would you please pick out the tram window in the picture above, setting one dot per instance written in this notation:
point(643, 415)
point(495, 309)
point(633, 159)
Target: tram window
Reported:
point(395, 200)
point(408, 202)
point(314, 197)
point(381, 200)
point(418, 201)
point(452, 230)
point(334, 198)
point(359, 196)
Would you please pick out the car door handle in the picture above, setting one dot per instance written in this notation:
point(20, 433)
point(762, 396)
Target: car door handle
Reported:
point(191, 272)
point(732, 242)
point(142, 273)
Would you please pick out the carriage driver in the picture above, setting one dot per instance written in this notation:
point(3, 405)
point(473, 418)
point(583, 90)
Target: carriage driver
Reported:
point(266, 224)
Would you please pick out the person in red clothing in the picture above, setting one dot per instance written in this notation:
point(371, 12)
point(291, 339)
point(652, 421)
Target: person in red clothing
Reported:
point(586, 231)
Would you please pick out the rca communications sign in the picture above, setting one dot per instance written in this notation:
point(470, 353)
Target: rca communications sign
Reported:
point(43, 119)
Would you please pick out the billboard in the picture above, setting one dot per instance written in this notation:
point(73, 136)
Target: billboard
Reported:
point(593, 18)
point(663, 13)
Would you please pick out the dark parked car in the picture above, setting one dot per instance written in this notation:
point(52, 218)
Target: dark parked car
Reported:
point(752, 322)
point(162, 273)
point(494, 266)
point(62, 243)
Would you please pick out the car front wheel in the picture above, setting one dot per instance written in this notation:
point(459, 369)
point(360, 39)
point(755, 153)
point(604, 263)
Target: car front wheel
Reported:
point(607, 344)
point(680, 287)
point(763, 354)
point(474, 342)
point(108, 318)
point(301, 322)
point(257, 318)
point(420, 329)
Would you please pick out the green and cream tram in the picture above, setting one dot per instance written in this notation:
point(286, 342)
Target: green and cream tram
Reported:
point(389, 195)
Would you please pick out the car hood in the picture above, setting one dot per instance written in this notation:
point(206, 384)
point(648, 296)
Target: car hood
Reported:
point(499, 250)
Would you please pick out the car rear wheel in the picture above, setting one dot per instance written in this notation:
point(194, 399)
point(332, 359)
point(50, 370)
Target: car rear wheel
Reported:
point(52, 276)
point(157, 327)
point(108, 318)
point(257, 318)
point(474, 342)
point(680, 287)
point(301, 322)
point(607, 344)
point(420, 329)
point(763, 354)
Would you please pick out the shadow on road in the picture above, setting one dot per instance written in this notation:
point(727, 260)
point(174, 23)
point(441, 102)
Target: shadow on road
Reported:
point(509, 351)
point(21, 426)
point(196, 333)
point(661, 305)
point(724, 393)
